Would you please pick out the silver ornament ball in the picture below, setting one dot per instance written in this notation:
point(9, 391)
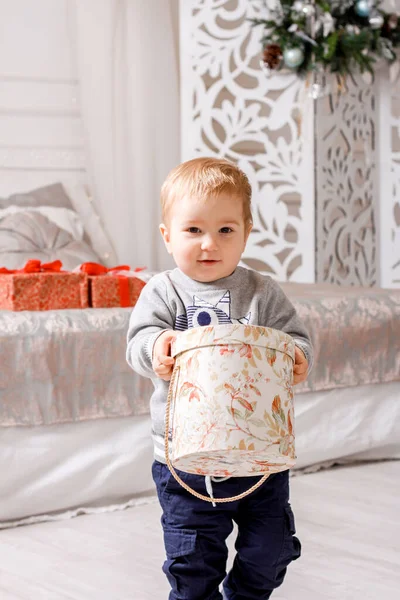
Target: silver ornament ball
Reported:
point(298, 6)
point(293, 57)
point(363, 8)
point(376, 21)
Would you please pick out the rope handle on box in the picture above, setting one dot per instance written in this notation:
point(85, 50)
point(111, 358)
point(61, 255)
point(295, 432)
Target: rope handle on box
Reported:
point(259, 483)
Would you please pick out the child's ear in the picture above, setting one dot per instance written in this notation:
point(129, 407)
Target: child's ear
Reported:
point(165, 235)
point(248, 231)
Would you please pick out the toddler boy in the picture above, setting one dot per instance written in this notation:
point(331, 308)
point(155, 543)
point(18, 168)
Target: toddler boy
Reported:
point(206, 205)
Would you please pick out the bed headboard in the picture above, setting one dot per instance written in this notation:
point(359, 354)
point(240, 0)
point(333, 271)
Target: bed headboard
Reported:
point(51, 195)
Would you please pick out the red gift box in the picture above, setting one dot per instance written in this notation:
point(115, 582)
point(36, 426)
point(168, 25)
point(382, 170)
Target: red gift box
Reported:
point(109, 288)
point(42, 287)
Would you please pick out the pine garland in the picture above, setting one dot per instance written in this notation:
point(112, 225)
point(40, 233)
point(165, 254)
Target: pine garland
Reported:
point(331, 35)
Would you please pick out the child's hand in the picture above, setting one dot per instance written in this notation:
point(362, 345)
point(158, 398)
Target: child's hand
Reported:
point(163, 363)
point(300, 366)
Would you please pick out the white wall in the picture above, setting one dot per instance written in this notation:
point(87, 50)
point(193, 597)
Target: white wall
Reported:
point(41, 133)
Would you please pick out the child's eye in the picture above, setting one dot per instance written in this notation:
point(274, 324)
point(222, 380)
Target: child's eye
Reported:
point(226, 230)
point(193, 230)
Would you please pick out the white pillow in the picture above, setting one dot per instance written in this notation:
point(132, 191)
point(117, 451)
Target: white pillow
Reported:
point(83, 221)
point(28, 234)
point(64, 218)
point(82, 203)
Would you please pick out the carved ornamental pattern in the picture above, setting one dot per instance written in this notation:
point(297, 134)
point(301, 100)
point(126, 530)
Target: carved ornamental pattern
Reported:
point(315, 168)
point(231, 109)
point(346, 190)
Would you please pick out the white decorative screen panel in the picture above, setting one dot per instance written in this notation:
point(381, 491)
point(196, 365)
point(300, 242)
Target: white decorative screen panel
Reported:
point(230, 109)
point(389, 148)
point(347, 184)
point(325, 174)
point(393, 279)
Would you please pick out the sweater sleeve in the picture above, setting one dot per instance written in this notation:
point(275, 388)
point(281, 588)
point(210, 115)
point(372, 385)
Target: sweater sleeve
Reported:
point(281, 314)
point(149, 319)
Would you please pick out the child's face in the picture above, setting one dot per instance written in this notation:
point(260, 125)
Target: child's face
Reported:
point(206, 238)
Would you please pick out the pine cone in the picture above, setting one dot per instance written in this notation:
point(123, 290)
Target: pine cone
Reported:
point(272, 55)
point(393, 21)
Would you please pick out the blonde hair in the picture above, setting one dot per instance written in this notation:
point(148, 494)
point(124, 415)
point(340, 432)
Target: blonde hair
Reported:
point(200, 178)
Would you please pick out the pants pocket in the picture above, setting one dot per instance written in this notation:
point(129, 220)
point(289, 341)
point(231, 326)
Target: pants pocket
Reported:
point(184, 566)
point(291, 549)
point(179, 542)
point(296, 545)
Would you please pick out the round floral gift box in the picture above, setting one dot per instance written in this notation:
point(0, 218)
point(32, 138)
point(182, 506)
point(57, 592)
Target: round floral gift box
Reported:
point(232, 401)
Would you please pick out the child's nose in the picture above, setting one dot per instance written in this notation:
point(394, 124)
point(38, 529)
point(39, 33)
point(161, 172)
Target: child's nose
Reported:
point(208, 243)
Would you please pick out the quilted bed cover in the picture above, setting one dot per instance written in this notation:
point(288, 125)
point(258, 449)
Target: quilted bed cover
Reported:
point(68, 366)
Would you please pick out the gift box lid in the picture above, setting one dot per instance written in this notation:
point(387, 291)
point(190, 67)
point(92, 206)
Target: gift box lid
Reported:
point(221, 335)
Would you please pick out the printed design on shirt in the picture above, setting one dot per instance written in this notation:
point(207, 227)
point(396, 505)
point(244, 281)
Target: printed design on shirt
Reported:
point(202, 313)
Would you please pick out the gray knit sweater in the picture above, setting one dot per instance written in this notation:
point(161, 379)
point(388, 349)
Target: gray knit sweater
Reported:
point(171, 300)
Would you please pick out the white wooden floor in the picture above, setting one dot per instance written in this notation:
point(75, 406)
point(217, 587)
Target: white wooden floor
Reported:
point(347, 519)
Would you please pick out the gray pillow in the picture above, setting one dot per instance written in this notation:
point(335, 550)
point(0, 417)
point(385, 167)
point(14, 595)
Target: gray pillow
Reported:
point(50, 195)
point(27, 235)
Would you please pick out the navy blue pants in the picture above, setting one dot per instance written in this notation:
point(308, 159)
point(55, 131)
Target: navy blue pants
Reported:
point(195, 532)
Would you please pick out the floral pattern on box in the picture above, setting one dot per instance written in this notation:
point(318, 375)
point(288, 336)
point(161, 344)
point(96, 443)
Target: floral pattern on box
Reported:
point(233, 401)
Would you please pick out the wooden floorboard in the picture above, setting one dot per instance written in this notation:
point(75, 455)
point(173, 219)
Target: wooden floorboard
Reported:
point(347, 519)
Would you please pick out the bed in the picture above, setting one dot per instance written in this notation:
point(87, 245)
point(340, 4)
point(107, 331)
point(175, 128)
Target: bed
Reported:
point(74, 420)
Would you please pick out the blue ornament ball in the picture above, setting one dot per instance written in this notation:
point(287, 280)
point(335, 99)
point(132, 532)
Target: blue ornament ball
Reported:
point(293, 57)
point(363, 8)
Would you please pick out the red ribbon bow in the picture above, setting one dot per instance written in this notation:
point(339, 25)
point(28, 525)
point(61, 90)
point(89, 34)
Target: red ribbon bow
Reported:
point(91, 268)
point(35, 266)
